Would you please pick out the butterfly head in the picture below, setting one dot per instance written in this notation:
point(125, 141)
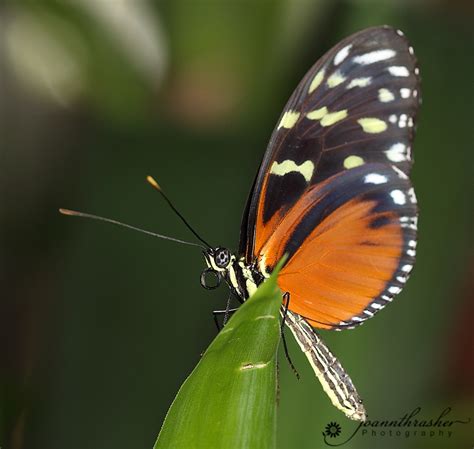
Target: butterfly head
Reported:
point(218, 261)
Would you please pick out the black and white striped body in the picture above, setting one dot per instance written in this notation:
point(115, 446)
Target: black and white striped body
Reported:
point(243, 280)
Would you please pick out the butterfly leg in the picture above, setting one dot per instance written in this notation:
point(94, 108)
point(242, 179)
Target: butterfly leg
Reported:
point(226, 312)
point(335, 381)
point(284, 312)
point(227, 309)
point(217, 313)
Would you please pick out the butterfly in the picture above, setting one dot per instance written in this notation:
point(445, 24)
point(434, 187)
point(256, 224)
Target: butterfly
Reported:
point(333, 194)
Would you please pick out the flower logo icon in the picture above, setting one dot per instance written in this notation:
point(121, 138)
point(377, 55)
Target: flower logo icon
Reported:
point(332, 430)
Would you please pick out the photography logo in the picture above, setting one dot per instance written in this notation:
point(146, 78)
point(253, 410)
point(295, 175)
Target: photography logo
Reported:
point(411, 425)
point(332, 430)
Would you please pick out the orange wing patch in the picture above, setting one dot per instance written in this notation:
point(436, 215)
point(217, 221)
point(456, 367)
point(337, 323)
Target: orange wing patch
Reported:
point(343, 265)
point(351, 245)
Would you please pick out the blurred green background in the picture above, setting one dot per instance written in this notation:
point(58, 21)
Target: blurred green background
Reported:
point(100, 326)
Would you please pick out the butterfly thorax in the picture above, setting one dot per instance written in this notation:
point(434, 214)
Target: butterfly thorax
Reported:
point(242, 278)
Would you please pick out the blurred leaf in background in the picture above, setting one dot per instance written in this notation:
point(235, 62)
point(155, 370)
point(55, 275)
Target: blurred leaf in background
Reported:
point(100, 326)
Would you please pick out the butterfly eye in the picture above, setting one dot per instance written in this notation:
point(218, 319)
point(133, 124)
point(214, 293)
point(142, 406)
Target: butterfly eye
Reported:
point(222, 257)
point(210, 279)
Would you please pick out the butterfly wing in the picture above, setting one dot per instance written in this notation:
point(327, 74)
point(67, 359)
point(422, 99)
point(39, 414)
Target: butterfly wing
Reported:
point(351, 241)
point(351, 245)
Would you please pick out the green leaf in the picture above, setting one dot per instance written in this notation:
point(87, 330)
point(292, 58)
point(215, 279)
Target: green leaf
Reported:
point(229, 400)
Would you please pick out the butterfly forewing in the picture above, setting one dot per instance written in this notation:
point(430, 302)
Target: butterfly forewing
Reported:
point(352, 115)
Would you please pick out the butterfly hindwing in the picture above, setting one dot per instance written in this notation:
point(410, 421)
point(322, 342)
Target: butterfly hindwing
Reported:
point(351, 245)
point(351, 116)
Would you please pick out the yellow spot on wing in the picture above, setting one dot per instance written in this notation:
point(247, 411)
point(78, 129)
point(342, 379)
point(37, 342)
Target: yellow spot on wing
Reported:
point(333, 117)
point(372, 125)
point(283, 168)
point(353, 161)
point(385, 95)
point(289, 119)
point(316, 81)
point(317, 113)
point(335, 79)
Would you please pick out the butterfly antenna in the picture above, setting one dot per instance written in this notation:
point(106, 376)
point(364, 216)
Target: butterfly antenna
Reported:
point(156, 186)
point(74, 213)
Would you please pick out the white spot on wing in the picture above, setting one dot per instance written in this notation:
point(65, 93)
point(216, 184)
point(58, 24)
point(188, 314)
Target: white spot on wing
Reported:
point(405, 92)
point(411, 195)
point(283, 168)
point(374, 56)
point(342, 54)
point(398, 197)
point(409, 222)
point(394, 290)
point(397, 152)
point(375, 178)
point(359, 82)
point(407, 268)
point(392, 118)
point(399, 70)
point(402, 121)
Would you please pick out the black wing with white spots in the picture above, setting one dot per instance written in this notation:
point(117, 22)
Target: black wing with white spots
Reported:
point(356, 105)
